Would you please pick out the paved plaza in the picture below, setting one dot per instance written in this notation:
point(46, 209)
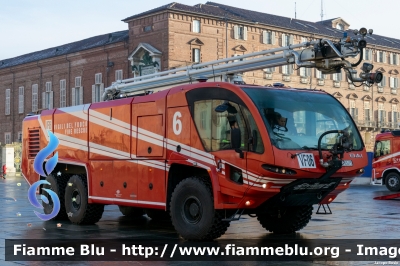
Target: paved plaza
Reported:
point(356, 215)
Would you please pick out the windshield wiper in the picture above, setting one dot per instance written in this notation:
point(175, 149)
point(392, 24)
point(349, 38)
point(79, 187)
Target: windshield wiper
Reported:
point(309, 148)
point(323, 147)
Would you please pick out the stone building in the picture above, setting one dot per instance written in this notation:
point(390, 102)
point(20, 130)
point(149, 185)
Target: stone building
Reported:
point(178, 35)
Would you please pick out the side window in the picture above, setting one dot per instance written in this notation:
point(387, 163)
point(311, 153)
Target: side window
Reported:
point(257, 144)
point(220, 130)
point(386, 147)
point(382, 148)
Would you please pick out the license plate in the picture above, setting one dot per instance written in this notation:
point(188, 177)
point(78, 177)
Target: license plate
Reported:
point(306, 160)
point(347, 163)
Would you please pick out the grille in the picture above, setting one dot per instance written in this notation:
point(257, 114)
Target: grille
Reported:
point(34, 142)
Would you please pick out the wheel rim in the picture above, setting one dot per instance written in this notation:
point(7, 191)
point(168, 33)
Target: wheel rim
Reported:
point(192, 210)
point(393, 181)
point(76, 200)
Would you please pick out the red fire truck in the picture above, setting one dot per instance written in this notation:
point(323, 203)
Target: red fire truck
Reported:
point(386, 162)
point(207, 152)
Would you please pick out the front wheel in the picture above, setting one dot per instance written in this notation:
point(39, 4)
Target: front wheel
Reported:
point(393, 182)
point(284, 220)
point(79, 211)
point(192, 211)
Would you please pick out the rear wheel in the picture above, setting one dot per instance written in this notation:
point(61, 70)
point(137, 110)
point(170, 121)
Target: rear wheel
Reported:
point(192, 211)
point(58, 185)
point(131, 211)
point(79, 211)
point(284, 220)
point(393, 182)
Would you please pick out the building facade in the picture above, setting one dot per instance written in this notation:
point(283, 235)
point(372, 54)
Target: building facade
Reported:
point(177, 35)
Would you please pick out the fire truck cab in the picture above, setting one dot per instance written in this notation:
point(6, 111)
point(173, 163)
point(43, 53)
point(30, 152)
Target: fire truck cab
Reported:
point(386, 162)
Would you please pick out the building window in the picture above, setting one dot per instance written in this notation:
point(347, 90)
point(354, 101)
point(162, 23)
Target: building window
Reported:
point(196, 55)
point(394, 114)
point(147, 28)
point(367, 55)
point(394, 59)
point(34, 97)
point(353, 110)
point(77, 95)
point(118, 74)
point(381, 57)
point(287, 39)
point(21, 100)
point(305, 72)
point(339, 26)
point(268, 37)
point(19, 136)
point(319, 75)
point(63, 93)
point(237, 60)
point(77, 92)
point(98, 78)
point(381, 113)
point(394, 82)
point(78, 82)
point(337, 77)
point(383, 82)
point(240, 32)
point(8, 99)
point(287, 69)
point(97, 88)
point(196, 26)
point(367, 113)
point(47, 97)
point(7, 137)
point(269, 70)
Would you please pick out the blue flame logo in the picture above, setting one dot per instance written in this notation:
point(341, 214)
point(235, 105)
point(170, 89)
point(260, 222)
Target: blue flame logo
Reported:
point(49, 167)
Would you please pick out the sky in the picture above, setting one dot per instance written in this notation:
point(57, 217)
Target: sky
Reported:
point(32, 25)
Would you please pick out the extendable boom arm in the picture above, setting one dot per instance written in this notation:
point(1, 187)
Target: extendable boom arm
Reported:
point(324, 54)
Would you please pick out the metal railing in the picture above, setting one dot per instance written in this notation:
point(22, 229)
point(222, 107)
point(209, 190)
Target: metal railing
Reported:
point(366, 123)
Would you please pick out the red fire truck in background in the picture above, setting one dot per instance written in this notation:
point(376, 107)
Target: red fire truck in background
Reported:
point(386, 162)
point(207, 152)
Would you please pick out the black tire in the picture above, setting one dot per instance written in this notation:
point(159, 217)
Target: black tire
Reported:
point(131, 211)
point(58, 185)
point(192, 211)
point(284, 220)
point(78, 210)
point(392, 182)
point(158, 215)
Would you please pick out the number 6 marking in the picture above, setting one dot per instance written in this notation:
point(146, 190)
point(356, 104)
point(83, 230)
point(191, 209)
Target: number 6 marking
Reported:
point(176, 123)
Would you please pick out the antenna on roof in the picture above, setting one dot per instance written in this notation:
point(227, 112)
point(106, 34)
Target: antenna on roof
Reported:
point(322, 10)
point(295, 14)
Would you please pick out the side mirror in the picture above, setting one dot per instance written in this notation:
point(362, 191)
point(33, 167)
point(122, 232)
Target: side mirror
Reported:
point(241, 153)
point(226, 106)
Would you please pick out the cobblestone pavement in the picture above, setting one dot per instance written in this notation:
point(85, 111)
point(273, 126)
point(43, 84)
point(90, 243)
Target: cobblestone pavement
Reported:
point(355, 216)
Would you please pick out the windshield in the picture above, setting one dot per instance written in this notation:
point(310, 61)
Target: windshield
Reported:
point(296, 119)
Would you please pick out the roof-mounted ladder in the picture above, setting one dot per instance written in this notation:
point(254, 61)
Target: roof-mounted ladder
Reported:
point(320, 54)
